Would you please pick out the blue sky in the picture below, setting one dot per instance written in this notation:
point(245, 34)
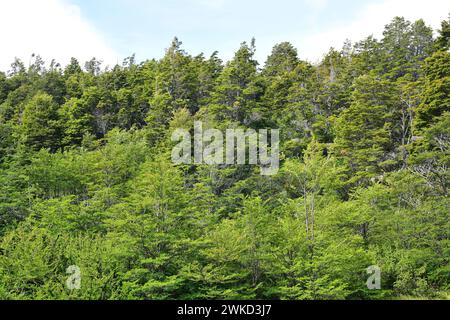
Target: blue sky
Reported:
point(146, 27)
point(114, 29)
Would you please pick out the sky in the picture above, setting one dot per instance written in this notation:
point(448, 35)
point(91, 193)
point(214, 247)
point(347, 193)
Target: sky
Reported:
point(112, 30)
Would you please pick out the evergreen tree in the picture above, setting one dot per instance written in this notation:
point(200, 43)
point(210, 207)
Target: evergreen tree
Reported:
point(40, 127)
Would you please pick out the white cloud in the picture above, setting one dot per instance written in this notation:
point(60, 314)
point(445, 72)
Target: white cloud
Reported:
point(371, 20)
point(50, 28)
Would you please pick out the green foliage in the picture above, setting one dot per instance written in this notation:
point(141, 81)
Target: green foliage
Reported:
point(86, 178)
point(364, 130)
point(443, 41)
point(34, 263)
point(436, 96)
point(40, 123)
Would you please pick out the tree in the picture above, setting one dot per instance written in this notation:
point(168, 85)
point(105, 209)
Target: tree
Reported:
point(435, 98)
point(93, 66)
point(239, 90)
point(72, 68)
point(283, 59)
point(404, 46)
point(443, 41)
point(151, 229)
point(40, 126)
point(76, 121)
point(363, 131)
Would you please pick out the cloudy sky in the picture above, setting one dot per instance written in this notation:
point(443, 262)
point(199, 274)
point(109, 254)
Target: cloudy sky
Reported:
point(114, 29)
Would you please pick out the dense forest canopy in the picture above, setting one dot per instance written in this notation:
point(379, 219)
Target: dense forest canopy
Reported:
point(86, 177)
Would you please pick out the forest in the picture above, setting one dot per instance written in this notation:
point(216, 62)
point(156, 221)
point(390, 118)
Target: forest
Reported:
point(88, 187)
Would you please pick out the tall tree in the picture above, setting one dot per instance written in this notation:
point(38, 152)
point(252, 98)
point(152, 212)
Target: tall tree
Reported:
point(363, 131)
